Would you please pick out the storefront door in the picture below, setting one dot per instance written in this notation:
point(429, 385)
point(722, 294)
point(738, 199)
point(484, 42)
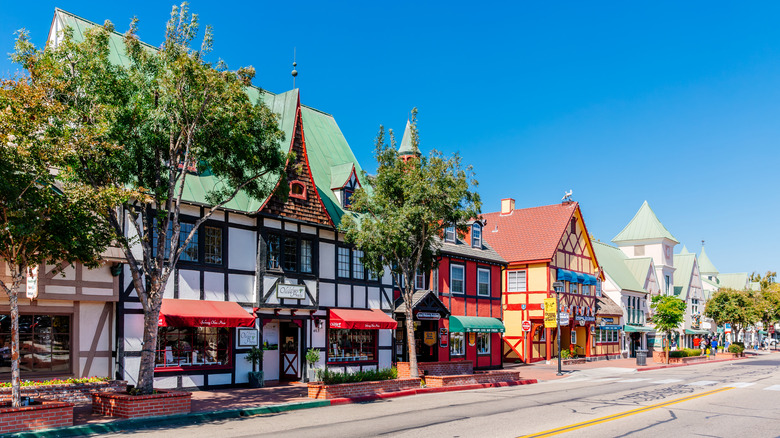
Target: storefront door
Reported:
point(289, 351)
point(425, 352)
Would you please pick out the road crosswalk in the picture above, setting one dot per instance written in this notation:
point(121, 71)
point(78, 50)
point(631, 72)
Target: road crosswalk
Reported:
point(649, 381)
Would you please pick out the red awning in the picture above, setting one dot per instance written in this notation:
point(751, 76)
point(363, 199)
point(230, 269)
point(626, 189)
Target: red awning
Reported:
point(373, 319)
point(196, 313)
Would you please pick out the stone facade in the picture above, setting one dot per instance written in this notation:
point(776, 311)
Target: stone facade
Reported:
point(361, 389)
point(47, 415)
point(135, 406)
point(437, 368)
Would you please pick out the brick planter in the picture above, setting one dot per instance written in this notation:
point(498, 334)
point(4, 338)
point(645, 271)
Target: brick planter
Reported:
point(68, 392)
point(575, 361)
point(727, 355)
point(660, 357)
point(470, 379)
point(319, 390)
point(48, 414)
point(124, 405)
point(448, 368)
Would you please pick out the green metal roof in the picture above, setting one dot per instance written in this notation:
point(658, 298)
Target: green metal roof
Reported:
point(705, 265)
point(339, 175)
point(684, 250)
point(406, 147)
point(614, 263)
point(477, 324)
point(710, 282)
point(640, 267)
point(683, 264)
point(737, 281)
point(645, 225)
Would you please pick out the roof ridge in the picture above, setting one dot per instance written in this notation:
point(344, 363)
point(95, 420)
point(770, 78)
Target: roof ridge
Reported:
point(533, 208)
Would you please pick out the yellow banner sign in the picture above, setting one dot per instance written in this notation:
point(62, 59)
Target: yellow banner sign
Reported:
point(550, 313)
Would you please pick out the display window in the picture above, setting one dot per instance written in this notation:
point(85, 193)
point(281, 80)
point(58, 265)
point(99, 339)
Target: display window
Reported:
point(44, 344)
point(483, 343)
point(351, 345)
point(457, 344)
point(606, 336)
point(179, 347)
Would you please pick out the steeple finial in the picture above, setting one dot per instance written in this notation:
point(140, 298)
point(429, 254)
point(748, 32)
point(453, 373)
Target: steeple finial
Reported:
point(294, 72)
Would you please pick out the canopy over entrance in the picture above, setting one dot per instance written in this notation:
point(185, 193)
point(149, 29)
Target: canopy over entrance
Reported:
point(478, 324)
point(197, 313)
point(425, 305)
point(696, 332)
point(636, 329)
point(373, 319)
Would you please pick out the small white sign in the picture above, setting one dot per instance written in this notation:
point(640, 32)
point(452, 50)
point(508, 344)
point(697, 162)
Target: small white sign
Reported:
point(292, 291)
point(247, 337)
point(428, 315)
point(32, 282)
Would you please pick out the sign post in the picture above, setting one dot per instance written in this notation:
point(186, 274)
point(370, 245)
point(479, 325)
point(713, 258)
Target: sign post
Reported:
point(558, 285)
point(526, 326)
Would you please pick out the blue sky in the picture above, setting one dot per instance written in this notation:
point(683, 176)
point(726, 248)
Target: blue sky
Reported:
point(676, 104)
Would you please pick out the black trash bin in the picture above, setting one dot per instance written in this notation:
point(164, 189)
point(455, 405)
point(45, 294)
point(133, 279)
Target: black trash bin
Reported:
point(641, 358)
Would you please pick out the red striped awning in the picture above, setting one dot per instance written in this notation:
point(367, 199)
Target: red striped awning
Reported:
point(197, 313)
point(373, 319)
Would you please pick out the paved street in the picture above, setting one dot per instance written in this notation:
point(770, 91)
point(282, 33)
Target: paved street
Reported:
point(726, 399)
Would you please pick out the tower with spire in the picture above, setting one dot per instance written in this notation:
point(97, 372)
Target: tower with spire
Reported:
point(407, 150)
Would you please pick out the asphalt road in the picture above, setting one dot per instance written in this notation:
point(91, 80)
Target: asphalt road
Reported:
point(726, 399)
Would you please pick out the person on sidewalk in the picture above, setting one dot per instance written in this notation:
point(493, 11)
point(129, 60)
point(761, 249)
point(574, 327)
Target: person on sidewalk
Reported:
point(714, 346)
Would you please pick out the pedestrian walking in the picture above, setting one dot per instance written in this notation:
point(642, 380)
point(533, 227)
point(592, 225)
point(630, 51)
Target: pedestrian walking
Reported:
point(714, 345)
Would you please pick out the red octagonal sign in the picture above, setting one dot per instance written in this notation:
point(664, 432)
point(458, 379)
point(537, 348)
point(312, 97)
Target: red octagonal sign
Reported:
point(526, 326)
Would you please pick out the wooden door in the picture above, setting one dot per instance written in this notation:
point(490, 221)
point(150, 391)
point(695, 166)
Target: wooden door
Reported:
point(289, 351)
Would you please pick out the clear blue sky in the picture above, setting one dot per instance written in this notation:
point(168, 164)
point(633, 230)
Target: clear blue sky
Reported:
point(677, 104)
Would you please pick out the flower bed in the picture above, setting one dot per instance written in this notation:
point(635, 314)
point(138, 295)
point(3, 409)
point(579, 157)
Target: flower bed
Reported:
point(70, 390)
point(47, 414)
point(319, 390)
point(445, 368)
point(124, 405)
point(470, 379)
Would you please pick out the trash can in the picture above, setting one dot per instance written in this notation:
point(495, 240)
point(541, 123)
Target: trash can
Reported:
point(641, 357)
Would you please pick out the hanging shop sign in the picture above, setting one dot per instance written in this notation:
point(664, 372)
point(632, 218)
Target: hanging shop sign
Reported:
point(291, 291)
point(32, 282)
point(429, 338)
point(472, 339)
point(584, 319)
point(563, 318)
point(550, 310)
point(428, 316)
point(247, 337)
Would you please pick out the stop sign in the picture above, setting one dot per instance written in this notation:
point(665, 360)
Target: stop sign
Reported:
point(526, 326)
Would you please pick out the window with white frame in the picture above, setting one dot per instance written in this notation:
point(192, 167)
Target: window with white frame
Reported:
point(516, 281)
point(435, 280)
point(476, 235)
point(457, 277)
point(572, 288)
point(598, 287)
point(419, 281)
point(306, 256)
point(343, 262)
point(483, 343)
point(668, 284)
point(573, 336)
point(449, 234)
point(483, 282)
point(357, 264)
point(586, 289)
point(457, 344)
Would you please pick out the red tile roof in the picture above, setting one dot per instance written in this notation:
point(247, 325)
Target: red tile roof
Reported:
point(530, 233)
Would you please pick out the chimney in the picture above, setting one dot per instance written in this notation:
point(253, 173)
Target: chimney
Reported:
point(507, 206)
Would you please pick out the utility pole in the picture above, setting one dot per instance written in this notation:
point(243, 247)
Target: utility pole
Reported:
point(558, 285)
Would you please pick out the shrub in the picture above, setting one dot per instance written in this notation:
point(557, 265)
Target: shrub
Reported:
point(312, 356)
point(678, 353)
point(736, 348)
point(565, 354)
point(57, 381)
point(690, 352)
point(329, 377)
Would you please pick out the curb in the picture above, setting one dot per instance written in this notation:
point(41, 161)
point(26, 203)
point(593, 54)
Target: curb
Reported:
point(167, 420)
point(659, 367)
point(369, 398)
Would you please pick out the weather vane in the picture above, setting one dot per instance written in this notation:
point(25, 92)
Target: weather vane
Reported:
point(294, 71)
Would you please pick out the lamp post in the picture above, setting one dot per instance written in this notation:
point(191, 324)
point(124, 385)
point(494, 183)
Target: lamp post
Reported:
point(558, 285)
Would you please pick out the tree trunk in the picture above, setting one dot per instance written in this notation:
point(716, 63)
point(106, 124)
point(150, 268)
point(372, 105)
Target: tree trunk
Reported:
point(13, 296)
point(413, 372)
point(668, 341)
point(151, 322)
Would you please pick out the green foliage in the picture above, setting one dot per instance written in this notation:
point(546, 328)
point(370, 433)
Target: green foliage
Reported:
point(690, 352)
point(678, 353)
point(312, 356)
point(255, 355)
point(566, 354)
point(736, 348)
point(329, 377)
point(69, 381)
point(668, 312)
point(734, 307)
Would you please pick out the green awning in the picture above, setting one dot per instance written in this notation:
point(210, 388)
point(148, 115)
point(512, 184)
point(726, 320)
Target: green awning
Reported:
point(637, 329)
point(477, 324)
point(762, 332)
point(696, 332)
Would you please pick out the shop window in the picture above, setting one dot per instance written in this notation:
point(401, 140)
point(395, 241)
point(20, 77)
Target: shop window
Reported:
point(212, 247)
point(516, 281)
point(357, 265)
point(572, 288)
point(290, 254)
point(192, 346)
point(483, 282)
point(586, 289)
point(306, 256)
point(274, 251)
point(44, 342)
point(457, 274)
point(351, 345)
point(483, 343)
point(476, 235)
point(457, 344)
point(449, 234)
point(540, 333)
point(343, 262)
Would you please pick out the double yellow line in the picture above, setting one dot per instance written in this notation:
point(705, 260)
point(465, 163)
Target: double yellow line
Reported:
point(595, 421)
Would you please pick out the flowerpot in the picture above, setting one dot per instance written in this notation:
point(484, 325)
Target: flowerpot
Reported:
point(256, 379)
point(311, 374)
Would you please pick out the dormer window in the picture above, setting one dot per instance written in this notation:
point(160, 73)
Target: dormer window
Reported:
point(449, 234)
point(347, 197)
point(476, 235)
point(297, 190)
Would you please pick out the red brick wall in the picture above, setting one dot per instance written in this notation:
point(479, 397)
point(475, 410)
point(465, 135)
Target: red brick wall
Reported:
point(437, 368)
point(44, 416)
point(70, 392)
point(130, 406)
point(360, 389)
point(471, 379)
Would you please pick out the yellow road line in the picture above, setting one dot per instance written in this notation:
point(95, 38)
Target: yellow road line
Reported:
point(595, 421)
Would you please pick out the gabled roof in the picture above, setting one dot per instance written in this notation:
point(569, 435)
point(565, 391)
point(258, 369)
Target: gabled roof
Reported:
point(614, 263)
point(340, 174)
point(683, 263)
point(325, 144)
point(463, 249)
point(645, 225)
point(684, 250)
point(605, 306)
point(736, 281)
point(640, 268)
point(406, 147)
point(705, 265)
point(530, 233)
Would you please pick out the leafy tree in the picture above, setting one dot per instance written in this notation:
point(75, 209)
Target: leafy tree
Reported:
point(404, 210)
point(668, 314)
point(729, 306)
point(41, 220)
point(149, 125)
point(765, 281)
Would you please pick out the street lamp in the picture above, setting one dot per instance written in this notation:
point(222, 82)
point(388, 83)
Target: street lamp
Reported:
point(558, 285)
